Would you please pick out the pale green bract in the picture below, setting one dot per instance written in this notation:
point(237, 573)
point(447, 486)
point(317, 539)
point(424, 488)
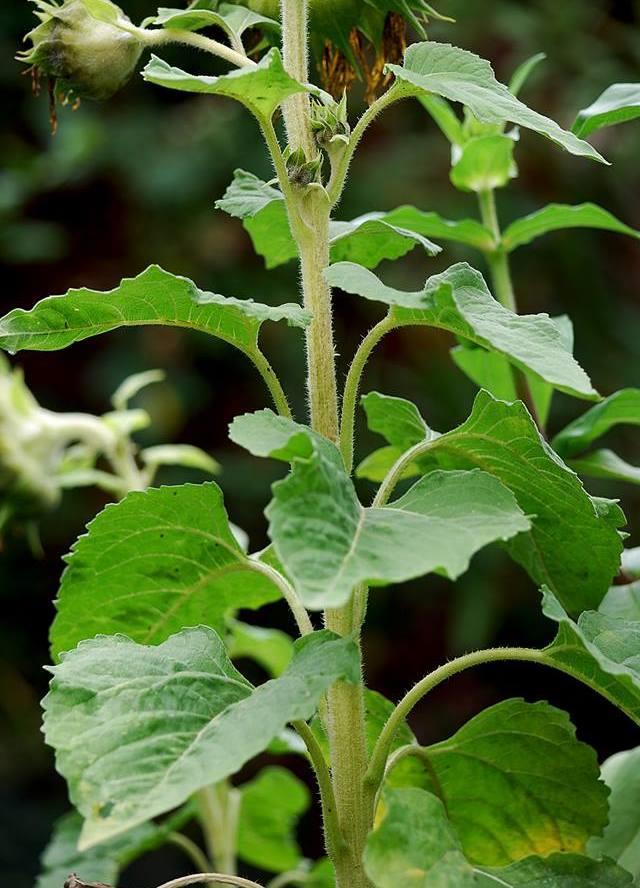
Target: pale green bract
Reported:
point(261, 89)
point(621, 839)
point(617, 104)
point(153, 297)
point(515, 782)
point(138, 729)
point(414, 846)
point(557, 217)
point(367, 240)
point(154, 562)
point(459, 301)
point(461, 76)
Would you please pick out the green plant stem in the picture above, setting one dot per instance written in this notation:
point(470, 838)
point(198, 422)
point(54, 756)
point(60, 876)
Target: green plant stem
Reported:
point(352, 387)
point(210, 879)
point(273, 383)
point(380, 756)
point(300, 613)
point(193, 852)
point(163, 36)
point(396, 471)
point(218, 810)
point(295, 56)
point(340, 172)
point(334, 840)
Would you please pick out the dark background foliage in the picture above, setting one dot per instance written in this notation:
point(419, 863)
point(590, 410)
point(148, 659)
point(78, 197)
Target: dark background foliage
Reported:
point(134, 182)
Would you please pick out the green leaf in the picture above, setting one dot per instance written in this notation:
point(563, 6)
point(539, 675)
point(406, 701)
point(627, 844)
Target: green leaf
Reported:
point(155, 562)
point(137, 730)
point(461, 76)
point(606, 464)
point(261, 89)
point(445, 117)
point(622, 602)
point(600, 650)
point(368, 240)
point(485, 163)
point(523, 72)
point(557, 217)
point(376, 465)
point(465, 231)
point(397, 420)
point(617, 104)
point(179, 455)
point(270, 808)
point(154, 297)
point(621, 839)
point(458, 300)
point(329, 543)
point(503, 440)
point(271, 648)
point(133, 385)
point(623, 407)
point(516, 782)
point(556, 871)
point(414, 845)
point(234, 20)
point(266, 434)
point(104, 862)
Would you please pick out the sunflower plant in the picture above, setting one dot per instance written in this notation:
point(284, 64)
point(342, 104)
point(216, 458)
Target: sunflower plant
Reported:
point(151, 721)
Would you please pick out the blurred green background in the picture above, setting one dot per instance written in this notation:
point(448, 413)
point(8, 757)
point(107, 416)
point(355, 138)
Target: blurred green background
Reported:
point(134, 182)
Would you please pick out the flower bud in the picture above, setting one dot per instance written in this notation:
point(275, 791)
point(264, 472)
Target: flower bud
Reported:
point(87, 47)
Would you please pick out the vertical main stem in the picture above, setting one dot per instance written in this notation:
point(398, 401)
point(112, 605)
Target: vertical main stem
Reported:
point(218, 814)
point(295, 52)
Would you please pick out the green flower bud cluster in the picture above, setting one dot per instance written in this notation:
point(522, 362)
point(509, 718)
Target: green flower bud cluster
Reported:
point(329, 122)
point(89, 48)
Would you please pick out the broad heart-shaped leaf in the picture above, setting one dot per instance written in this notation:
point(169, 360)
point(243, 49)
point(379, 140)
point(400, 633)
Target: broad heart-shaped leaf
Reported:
point(556, 217)
point(600, 650)
point(502, 439)
point(515, 782)
point(621, 839)
point(458, 300)
point(414, 846)
point(621, 408)
point(154, 297)
point(329, 543)
point(461, 76)
point(104, 862)
point(485, 163)
point(617, 104)
point(234, 20)
point(270, 807)
point(154, 562)
point(138, 729)
point(367, 240)
point(261, 88)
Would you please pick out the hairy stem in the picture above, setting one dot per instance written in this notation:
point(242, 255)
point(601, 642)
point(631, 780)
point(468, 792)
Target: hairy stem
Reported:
point(218, 808)
point(273, 383)
point(210, 879)
point(380, 756)
point(295, 55)
point(160, 37)
point(193, 852)
point(300, 613)
point(396, 472)
point(352, 387)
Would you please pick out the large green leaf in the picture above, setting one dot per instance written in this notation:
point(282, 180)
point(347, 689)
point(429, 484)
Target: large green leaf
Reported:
point(463, 231)
point(264, 433)
point(621, 839)
point(516, 782)
point(328, 543)
point(601, 650)
point(367, 240)
point(104, 862)
point(153, 297)
point(154, 562)
point(396, 419)
point(621, 408)
point(617, 104)
point(234, 20)
point(503, 440)
point(556, 217)
point(270, 808)
point(138, 729)
point(458, 300)
point(415, 846)
point(261, 88)
point(461, 76)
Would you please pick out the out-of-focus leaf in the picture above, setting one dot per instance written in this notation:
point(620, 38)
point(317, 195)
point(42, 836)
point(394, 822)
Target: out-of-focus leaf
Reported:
point(617, 104)
point(556, 217)
point(621, 408)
